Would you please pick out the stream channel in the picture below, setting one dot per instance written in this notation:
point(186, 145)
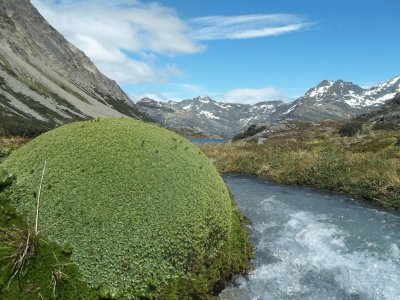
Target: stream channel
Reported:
point(315, 245)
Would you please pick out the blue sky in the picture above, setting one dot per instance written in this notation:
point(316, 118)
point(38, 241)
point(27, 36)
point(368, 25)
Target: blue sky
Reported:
point(234, 51)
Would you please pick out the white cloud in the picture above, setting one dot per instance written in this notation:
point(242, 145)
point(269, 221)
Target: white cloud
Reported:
point(246, 26)
point(126, 38)
point(251, 96)
point(107, 31)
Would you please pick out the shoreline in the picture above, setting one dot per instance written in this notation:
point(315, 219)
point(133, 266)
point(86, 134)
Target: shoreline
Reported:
point(368, 177)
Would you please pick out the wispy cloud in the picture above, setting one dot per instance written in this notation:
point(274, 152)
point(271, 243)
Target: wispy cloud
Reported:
point(246, 26)
point(127, 39)
point(253, 95)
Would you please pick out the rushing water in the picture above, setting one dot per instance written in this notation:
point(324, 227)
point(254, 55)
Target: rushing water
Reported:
point(315, 245)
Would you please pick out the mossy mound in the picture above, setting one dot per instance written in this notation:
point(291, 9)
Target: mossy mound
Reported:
point(143, 210)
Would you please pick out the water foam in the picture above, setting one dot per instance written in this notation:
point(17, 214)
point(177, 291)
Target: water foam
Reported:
point(314, 258)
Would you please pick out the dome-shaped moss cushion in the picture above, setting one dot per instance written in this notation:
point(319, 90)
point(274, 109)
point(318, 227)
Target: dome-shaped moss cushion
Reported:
point(142, 208)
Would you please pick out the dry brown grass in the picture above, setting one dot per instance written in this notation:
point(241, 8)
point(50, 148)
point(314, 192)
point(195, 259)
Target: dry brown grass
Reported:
point(8, 144)
point(367, 167)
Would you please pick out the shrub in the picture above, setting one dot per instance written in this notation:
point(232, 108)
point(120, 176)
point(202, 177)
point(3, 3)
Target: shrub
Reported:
point(250, 131)
point(350, 129)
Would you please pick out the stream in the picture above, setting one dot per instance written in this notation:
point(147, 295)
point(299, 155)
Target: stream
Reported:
point(315, 245)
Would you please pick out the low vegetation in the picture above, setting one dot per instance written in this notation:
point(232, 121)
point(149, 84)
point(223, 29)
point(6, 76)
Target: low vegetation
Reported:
point(250, 131)
point(128, 210)
point(8, 144)
point(351, 128)
point(365, 166)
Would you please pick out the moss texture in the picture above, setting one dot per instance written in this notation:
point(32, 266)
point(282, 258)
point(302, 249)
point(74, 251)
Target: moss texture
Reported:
point(143, 210)
point(48, 259)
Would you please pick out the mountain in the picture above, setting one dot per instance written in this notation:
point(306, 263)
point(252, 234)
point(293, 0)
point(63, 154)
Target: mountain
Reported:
point(328, 100)
point(45, 80)
point(387, 117)
point(204, 115)
point(341, 100)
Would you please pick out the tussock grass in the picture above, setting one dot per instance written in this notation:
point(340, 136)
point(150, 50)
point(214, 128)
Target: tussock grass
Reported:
point(366, 167)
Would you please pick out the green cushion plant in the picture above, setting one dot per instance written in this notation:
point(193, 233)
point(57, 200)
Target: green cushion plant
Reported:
point(141, 211)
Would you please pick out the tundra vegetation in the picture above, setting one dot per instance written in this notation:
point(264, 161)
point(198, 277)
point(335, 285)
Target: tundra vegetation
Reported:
point(350, 158)
point(128, 210)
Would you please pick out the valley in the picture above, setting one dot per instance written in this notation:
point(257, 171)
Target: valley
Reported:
point(268, 186)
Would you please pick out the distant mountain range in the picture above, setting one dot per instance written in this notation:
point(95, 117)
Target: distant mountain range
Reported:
point(45, 80)
point(328, 100)
point(204, 115)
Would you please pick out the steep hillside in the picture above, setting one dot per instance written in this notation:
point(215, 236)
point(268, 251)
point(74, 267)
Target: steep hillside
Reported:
point(45, 80)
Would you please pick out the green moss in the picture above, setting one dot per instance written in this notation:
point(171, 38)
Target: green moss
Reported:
point(143, 209)
point(48, 258)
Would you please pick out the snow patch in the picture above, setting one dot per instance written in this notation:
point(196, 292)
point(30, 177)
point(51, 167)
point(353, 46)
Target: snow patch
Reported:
point(290, 109)
point(209, 115)
point(320, 91)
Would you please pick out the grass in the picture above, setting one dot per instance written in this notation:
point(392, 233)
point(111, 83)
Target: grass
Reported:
point(143, 211)
point(366, 167)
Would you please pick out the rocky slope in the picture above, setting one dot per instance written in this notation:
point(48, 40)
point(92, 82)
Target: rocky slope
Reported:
point(45, 80)
point(387, 117)
point(341, 100)
point(328, 100)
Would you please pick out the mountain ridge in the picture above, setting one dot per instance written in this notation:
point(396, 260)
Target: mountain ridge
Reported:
point(328, 100)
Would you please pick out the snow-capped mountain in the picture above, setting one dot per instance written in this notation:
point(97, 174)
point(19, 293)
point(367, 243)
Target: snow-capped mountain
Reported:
point(328, 100)
point(386, 117)
point(204, 115)
point(341, 100)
